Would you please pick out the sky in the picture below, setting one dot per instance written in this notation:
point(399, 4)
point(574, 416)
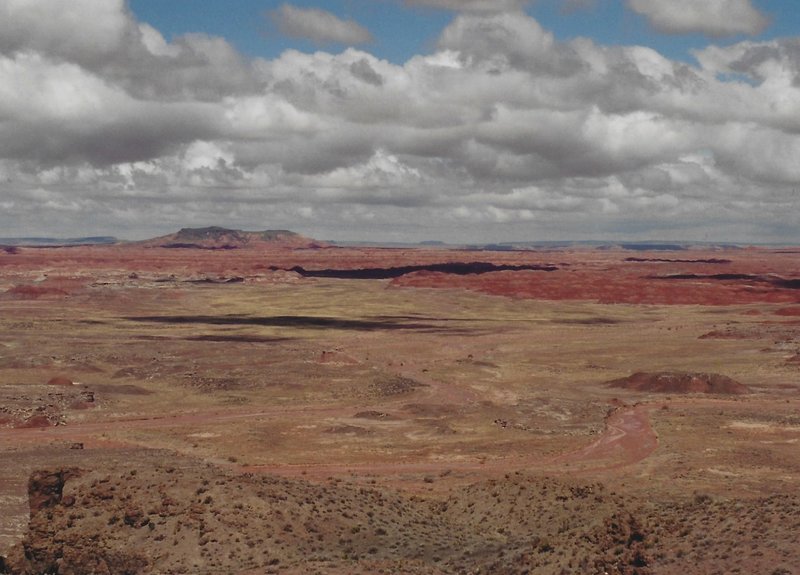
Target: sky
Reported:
point(463, 121)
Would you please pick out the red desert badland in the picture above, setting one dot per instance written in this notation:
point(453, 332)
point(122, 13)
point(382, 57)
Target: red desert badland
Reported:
point(218, 401)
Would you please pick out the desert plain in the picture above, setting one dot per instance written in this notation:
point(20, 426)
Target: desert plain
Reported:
point(221, 402)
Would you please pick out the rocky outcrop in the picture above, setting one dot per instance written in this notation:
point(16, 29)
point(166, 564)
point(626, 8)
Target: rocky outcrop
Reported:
point(623, 547)
point(53, 544)
point(31, 406)
point(46, 488)
point(188, 517)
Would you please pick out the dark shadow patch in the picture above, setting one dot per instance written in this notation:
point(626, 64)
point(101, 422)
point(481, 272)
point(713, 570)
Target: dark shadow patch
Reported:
point(675, 261)
point(588, 321)
point(211, 337)
point(477, 362)
point(786, 284)
point(737, 277)
point(375, 415)
point(414, 318)
point(124, 389)
point(232, 280)
point(296, 321)
point(455, 268)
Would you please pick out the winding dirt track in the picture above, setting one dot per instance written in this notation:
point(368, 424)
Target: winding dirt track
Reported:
point(627, 439)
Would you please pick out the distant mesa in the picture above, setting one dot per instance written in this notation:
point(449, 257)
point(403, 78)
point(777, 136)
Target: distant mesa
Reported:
point(494, 248)
point(217, 238)
point(680, 382)
point(208, 238)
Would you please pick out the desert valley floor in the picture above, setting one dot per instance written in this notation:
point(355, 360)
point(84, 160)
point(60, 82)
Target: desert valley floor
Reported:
point(299, 408)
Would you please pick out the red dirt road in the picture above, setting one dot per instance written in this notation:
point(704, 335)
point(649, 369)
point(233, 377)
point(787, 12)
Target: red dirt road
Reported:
point(627, 439)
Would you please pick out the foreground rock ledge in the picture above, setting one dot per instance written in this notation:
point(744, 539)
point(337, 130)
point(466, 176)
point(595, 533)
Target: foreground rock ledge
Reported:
point(185, 517)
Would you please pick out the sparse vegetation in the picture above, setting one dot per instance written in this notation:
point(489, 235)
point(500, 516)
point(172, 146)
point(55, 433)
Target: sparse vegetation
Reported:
point(289, 425)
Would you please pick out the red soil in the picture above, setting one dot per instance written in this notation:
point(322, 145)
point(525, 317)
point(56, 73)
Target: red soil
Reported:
point(337, 357)
point(34, 292)
point(59, 380)
point(627, 439)
point(674, 382)
point(35, 422)
point(788, 311)
point(606, 286)
point(605, 276)
point(51, 288)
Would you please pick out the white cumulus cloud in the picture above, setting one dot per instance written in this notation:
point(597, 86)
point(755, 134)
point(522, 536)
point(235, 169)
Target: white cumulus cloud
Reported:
point(500, 132)
point(712, 17)
point(83, 30)
point(479, 6)
point(319, 26)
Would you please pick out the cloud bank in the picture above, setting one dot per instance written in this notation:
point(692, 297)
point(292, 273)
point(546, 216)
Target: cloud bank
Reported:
point(501, 132)
point(486, 6)
point(716, 18)
point(319, 26)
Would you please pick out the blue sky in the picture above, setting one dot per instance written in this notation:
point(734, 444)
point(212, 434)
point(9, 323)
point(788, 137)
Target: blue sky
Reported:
point(400, 32)
point(403, 31)
point(403, 120)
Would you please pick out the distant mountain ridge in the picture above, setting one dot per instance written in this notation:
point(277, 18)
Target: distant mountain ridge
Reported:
point(219, 238)
point(55, 242)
